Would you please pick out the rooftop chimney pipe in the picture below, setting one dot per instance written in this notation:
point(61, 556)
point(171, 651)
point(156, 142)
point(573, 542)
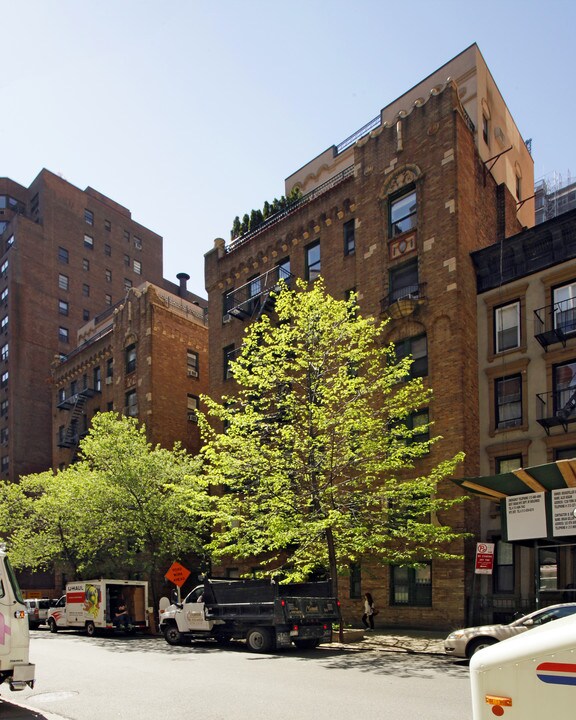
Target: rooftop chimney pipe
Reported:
point(183, 277)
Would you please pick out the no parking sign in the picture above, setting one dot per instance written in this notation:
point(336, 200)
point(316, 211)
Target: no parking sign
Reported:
point(484, 558)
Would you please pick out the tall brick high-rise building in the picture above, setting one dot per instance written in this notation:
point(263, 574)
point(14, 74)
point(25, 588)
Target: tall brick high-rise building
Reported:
point(66, 255)
point(394, 213)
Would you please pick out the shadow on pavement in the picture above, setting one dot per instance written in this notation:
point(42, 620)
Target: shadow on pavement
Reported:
point(384, 660)
point(9, 711)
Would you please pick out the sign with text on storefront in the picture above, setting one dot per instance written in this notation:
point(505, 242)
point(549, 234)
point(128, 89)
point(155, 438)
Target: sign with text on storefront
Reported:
point(484, 558)
point(564, 512)
point(526, 516)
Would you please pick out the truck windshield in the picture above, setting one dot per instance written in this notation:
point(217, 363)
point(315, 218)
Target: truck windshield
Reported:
point(13, 581)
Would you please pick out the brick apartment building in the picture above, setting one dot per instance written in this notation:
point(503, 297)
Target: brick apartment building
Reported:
point(394, 213)
point(66, 255)
point(527, 403)
point(146, 357)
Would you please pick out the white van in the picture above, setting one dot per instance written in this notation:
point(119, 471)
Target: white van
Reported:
point(14, 634)
point(529, 676)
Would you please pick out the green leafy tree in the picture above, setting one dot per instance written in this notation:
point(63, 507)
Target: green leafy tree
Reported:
point(256, 219)
point(115, 511)
point(236, 228)
point(317, 460)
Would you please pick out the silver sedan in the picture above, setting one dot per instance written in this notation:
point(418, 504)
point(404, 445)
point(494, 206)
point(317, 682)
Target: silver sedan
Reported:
point(467, 641)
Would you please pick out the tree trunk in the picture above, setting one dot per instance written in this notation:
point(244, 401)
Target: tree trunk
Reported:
point(334, 576)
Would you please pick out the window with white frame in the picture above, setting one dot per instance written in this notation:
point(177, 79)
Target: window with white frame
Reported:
point(564, 308)
point(63, 282)
point(137, 267)
point(507, 327)
point(89, 242)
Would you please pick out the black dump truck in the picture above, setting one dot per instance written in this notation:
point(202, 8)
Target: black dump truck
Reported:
point(267, 615)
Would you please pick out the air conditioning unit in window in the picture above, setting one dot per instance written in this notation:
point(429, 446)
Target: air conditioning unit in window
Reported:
point(192, 372)
point(226, 318)
point(108, 381)
point(192, 417)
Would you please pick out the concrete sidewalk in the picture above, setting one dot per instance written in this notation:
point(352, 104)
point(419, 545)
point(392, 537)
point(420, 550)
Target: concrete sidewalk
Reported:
point(394, 640)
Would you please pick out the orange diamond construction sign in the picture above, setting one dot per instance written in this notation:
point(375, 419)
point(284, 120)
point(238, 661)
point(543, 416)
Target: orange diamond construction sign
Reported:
point(177, 574)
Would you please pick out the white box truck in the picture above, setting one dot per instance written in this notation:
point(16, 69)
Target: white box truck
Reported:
point(92, 605)
point(15, 667)
point(529, 676)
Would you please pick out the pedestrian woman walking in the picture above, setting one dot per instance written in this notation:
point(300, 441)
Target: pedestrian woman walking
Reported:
point(369, 612)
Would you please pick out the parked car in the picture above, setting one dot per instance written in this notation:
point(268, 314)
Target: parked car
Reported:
point(37, 609)
point(467, 641)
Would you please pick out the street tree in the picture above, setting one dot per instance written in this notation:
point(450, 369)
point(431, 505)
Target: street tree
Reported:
point(114, 511)
point(313, 458)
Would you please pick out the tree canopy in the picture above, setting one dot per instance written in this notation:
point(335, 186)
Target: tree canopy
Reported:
point(313, 458)
point(115, 511)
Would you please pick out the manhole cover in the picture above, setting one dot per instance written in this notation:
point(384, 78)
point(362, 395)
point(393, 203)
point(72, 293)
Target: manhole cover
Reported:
point(54, 696)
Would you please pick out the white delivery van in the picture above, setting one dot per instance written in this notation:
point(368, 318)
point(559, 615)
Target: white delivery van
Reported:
point(92, 605)
point(529, 676)
point(14, 634)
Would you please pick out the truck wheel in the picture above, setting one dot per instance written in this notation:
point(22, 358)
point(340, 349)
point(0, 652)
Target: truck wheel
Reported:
point(478, 644)
point(90, 629)
point(259, 639)
point(52, 625)
point(172, 635)
point(307, 643)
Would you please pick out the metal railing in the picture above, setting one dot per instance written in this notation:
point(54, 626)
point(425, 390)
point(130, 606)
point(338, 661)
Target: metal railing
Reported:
point(364, 130)
point(281, 214)
point(89, 341)
point(408, 292)
point(556, 408)
point(556, 322)
point(248, 299)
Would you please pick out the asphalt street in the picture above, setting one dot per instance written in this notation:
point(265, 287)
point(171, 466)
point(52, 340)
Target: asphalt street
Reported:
point(80, 678)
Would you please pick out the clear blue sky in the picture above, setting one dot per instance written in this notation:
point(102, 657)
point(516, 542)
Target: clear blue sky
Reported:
point(189, 113)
